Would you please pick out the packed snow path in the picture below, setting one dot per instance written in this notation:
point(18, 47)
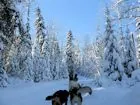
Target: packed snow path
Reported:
point(34, 94)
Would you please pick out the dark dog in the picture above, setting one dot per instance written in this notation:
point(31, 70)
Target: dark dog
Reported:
point(59, 98)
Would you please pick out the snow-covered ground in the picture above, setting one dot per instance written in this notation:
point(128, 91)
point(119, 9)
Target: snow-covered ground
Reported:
point(34, 94)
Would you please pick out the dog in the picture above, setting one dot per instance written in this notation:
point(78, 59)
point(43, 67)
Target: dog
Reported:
point(76, 90)
point(73, 82)
point(76, 94)
point(84, 90)
point(60, 97)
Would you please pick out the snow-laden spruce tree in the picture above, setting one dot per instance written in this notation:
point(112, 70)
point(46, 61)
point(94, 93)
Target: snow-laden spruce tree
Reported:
point(99, 52)
point(24, 50)
point(57, 57)
point(19, 59)
point(63, 73)
point(113, 68)
point(38, 66)
point(8, 24)
point(37, 63)
point(46, 59)
point(3, 75)
point(69, 55)
point(138, 39)
point(54, 57)
point(138, 23)
point(40, 28)
point(12, 64)
point(7, 20)
point(99, 44)
point(99, 49)
point(122, 44)
point(85, 58)
point(88, 67)
point(91, 60)
point(51, 51)
point(130, 62)
point(76, 56)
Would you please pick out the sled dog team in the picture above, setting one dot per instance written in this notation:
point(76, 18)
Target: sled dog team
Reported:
point(75, 92)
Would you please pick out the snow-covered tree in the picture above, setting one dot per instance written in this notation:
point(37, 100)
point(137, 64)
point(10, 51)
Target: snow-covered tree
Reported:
point(17, 55)
point(138, 49)
point(92, 58)
point(39, 50)
point(38, 66)
point(130, 62)
point(37, 62)
point(7, 20)
point(8, 25)
point(99, 49)
point(24, 51)
point(129, 14)
point(69, 55)
point(99, 52)
point(51, 50)
point(46, 59)
point(3, 75)
point(76, 56)
point(112, 61)
point(28, 17)
point(99, 42)
point(121, 44)
point(63, 73)
point(88, 61)
point(127, 9)
point(12, 64)
point(40, 28)
point(54, 57)
point(138, 40)
point(138, 23)
point(19, 59)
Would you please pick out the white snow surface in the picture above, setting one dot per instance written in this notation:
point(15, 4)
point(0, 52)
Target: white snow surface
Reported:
point(35, 93)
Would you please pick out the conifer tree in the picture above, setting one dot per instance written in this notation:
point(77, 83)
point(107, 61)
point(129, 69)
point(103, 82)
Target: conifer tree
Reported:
point(46, 59)
point(3, 75)
point(76, 56)
point(130, 62)
point(39, 71)
point(24, 50)
point(112, 62)
point(37, 63)
point(40, 28)
point(63, 73)
point(12, 64)
point(122, 44)
point(8, 24)
point(54, 57)
point(69, 55)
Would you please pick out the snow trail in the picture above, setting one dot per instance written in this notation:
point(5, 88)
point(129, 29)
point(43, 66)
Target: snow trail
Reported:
point(35, 93)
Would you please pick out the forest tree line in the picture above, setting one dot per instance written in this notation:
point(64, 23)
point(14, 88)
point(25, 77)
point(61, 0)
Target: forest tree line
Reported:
point(114, 54)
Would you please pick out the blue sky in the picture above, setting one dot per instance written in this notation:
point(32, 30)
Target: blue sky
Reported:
point(80, 16)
